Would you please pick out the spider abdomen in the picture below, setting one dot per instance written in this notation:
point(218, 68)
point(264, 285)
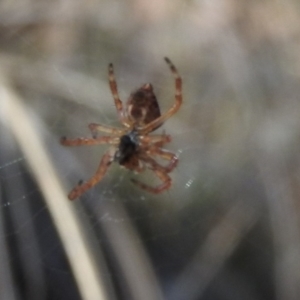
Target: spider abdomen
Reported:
point(142, 105)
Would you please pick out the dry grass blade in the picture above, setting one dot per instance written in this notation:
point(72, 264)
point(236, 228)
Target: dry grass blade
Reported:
point(61, 210)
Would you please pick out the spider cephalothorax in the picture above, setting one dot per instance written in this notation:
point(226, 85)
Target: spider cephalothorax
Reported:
point(127, 148)
point(132, 146)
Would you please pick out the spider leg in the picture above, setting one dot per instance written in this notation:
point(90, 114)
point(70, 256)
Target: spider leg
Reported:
point(140, 167)
point(153, 144)
point(164, 177)
point(165, 155)
point(157, 140)
point(160, 172)
point(89, 141)
point(94, 128)
point(178, 101)
point(106, 161)
point(114, 91)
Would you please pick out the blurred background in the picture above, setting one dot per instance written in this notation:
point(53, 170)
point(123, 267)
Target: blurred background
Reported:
point(229, 226)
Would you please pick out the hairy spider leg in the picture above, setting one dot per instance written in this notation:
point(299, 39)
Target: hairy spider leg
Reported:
point(154, 144)
point(155, 165)
point(106, 161)
point(160, 172)
point(158, 140)
point(164, 177)
point(89, 141)
point(94, 128)
point(167, 155)
point(114, 91)
point(178, 101)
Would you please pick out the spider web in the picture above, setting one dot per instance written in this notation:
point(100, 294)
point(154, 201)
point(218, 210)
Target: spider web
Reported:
point(236, 136)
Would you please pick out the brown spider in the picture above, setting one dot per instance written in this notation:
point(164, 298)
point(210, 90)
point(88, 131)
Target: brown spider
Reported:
point(132, 146)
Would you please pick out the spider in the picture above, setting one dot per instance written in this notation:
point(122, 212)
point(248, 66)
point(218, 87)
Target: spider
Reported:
point(132, 146)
